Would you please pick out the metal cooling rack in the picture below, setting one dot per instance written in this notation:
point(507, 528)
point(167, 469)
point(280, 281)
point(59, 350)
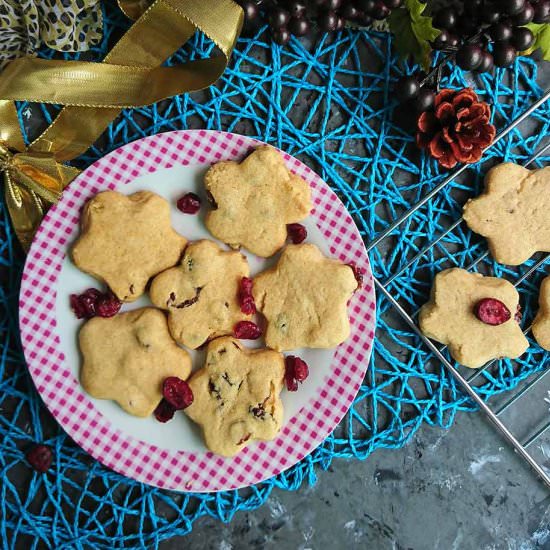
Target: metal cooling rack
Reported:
point(465, 382)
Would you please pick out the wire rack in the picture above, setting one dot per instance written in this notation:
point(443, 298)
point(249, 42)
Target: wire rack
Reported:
point(466, 379)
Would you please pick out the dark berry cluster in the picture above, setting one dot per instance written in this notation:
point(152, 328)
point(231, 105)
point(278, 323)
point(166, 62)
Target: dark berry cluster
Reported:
point(479, 34)
point(296, 17)
point(484, 33)
point(415, 91)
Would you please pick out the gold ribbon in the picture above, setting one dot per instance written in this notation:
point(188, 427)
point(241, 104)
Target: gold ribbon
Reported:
point(32, 182)
point(93, 94)
point(133, 8)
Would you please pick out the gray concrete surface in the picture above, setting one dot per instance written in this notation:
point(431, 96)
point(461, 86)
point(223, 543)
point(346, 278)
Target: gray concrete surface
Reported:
point(455, 489)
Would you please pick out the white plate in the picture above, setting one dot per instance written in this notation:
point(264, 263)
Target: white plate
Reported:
point(173, 455)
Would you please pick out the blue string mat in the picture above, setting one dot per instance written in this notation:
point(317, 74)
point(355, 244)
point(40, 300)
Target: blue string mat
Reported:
point(328, 102)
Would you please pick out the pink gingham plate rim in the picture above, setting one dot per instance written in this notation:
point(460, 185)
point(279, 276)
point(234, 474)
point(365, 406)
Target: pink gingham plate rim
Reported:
point(61, 391)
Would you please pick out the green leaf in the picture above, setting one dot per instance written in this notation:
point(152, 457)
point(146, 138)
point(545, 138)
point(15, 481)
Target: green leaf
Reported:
point(542, 39)
point(413, 32)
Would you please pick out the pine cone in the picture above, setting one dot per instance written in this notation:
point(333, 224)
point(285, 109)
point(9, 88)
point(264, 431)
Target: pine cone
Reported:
point(457, 130)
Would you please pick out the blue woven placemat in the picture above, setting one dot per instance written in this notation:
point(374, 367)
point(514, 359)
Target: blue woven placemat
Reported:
point(329, 103)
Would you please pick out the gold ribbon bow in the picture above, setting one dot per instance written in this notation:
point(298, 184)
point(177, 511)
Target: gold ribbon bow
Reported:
point(32, 182)
point(93, 94)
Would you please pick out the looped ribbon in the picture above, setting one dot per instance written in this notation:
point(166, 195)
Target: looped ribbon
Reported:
point(93, 94)
point(32, 182)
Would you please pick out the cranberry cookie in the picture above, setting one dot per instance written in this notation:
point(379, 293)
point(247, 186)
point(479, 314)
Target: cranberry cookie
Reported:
point(513, 212)
point(127, 358)
point(237, 395)
point(255, 200)
point(201, 293)
point(126, 240)
point(474, 316)
point(304, 299)
point(541, 324)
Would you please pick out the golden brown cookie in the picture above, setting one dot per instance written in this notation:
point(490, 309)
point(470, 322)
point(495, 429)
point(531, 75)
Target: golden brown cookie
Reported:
point(127, 358)
point(236, 395)
point(541, 324)
point(201, 293)
point(255, 200)
point(304, 299)
point(450, 318)
point(126, 240)
point(513, 212)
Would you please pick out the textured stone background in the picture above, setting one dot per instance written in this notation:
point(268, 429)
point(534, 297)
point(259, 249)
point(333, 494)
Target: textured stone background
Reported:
point(458, 489)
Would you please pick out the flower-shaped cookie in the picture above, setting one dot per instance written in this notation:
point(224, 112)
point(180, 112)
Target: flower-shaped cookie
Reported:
point(304, 299)
point(128, 356)
point(449, 317)
point(126, 240)
point(541, 324)
point(201, 293)
point(513, 212)
point(237, 395)
point(255, 200)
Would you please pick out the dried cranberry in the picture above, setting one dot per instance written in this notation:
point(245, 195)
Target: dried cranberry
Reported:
point(246, 300)
point(258, 412)
point(92, 293)
point(246, 286)
point(84, 304)
point(177, 392)
point(77, 307)
point(40, 458)
point(247, 330)
point(492, 311)
point(88, 303)
point(291, 382)
point(190, 203)
point(296, 232)
point(289, 365)
point(92, 302)
point(358, 273)
point(108, 305)
point(518, 315)
point(248, 307)
point(301, 371)
point(296, 370)
point(164, 411)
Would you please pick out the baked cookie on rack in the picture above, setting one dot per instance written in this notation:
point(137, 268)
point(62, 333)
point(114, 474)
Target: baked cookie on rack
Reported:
point(255, 200)
point(541, 324)
point(126, 240)
point(201, 293)
point(474, 316)
point(304, 299)
point(237, 395)
point(512, 213)
point(128, 356)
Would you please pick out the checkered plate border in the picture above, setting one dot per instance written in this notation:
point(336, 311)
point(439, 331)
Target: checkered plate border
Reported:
point(61, 391)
